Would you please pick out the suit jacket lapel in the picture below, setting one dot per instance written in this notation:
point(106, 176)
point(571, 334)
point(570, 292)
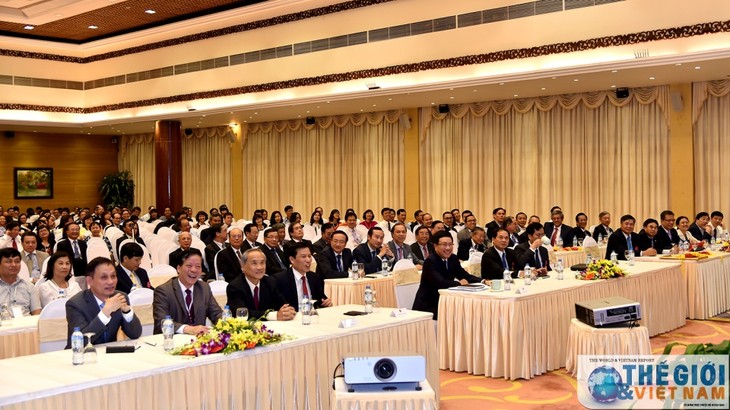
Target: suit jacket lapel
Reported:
point(178, 297)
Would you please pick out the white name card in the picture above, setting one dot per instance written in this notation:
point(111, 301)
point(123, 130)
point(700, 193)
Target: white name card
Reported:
point(17, 311)
point(521, 290)
point(399, 312)
point(346, 323)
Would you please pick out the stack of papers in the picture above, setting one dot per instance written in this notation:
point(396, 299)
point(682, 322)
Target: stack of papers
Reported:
point(473, 287)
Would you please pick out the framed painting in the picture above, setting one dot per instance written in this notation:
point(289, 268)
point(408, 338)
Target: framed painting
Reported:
point(33, 183)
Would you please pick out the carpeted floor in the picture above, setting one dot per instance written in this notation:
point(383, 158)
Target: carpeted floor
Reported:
point(556, 389)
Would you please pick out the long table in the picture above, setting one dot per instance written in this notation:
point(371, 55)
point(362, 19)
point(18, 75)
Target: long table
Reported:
point(294, 374)
point(20, 338)
point(503, 334)
point(707, 282)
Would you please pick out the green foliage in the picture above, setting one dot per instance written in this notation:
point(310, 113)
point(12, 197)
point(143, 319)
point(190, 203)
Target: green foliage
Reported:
point(699, 348)
point(117, 190)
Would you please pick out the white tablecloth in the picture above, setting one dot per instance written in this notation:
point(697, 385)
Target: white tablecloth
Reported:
point(401, 400)
point(346, 291)
point(20, 338)
point(295, 374)
point(502, 334)
point(707, 282)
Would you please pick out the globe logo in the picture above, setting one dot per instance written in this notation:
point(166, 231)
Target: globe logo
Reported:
point(603, 384)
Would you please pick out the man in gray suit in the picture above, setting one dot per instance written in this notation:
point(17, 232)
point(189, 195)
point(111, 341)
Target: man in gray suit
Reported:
point(397, 245)
point(32, 258)
point(187, 300)
point(101, 308)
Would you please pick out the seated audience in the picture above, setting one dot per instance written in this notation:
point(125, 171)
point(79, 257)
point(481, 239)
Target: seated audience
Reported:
point(603, 230)
point(129, 275)
point(499, 257)
point(14, 291)
point(276, 260)
point(297, 280)
point(32, 257)
point(476, 242)
point(667, 234)
point(57, 283)
point(532, 252)
point(625, 239)
point(398, 247)
point(683, 231)
point(185, 239)
point(368, 219)
point(701, 228)
point(336, 259)
point(576, 235)
point(372, 252)
point(647, 236)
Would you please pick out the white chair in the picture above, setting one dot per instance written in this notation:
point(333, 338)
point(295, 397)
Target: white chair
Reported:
point(52, 326)
point(96, 247)
point(44, 265)
point(410, 237)
point(218, 288)
point(165, 251)
point(475, 258)
point(24, 272)
point(309, 232)
point(160, 273)
point(154, 248)
point(166, 233)
point(141, 301)
point(407, 279)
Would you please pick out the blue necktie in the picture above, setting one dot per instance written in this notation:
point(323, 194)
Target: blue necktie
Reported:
point(339, 263)
point(103, 335)
point(628, 243)
point(538, 262)
point(504, 260)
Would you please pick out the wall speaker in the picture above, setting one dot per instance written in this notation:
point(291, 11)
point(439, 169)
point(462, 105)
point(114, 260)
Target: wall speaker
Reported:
point(622, 92)
point(115, 140)
point(310, 120)
point(443, 108)
point(677, 102)
point(231, 136)
point(9, 134)
point(405, 122)
point(188, 131)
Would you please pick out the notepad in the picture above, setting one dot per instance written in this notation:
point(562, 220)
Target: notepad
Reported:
point(472, 287)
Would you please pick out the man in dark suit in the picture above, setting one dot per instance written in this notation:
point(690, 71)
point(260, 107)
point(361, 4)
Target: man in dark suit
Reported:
point(398, 247)
point(603, 230)
point(700, 228)
point(252, 233)
point(324, 242)
point(185, 239)
point(296, 233)
point(441, 270)
point(372, 252)
point(101, 309)
point(498, 214)
point(32, 258)
point(499, 257)
point(297, 280)
point(276, 261)
point(532, 252)
point(476, 242)
point(557, 229)
point(423, 247)
point(187, 300)
point(666, 234)
point(217, 245)
point(579, 232)
point(129, 233)
point(129, 275)
point(72, 245)
point(229, 259)
point(333, 262)
point(510, 224)
point(647, 236)
point(207, 235)
point(625, 239)
point(256, 291)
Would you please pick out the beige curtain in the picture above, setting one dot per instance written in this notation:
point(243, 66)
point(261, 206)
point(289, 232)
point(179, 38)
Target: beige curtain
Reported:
point(586, 153)
point(711, 111)
point(339, 162)
point(137, 155)
point(206, 159)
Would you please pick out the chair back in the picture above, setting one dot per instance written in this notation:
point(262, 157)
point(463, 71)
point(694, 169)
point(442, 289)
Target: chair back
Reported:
point(160, 274)
point(96, 247)
point(141, 301)
point(309, 232)
point(52, 326)
point(410, 237)
point(218, 288)
point(24, 271)
point(167, 233)
point(475, 258)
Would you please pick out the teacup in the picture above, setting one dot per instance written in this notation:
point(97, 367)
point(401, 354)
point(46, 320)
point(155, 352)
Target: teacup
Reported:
point(497, 284)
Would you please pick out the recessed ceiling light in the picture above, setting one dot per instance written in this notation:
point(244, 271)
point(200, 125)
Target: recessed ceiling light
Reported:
point(555, 78)
point(29, 27)
point(516, 95)
point(375, 105)
point(390, 99)
point(150, 11)
point(697, 67)
point(473, 91)
point(575, 80)
point(299, 116)
point(93, 27)
point(501, 83)
point(543, 88)
point(678, 64)
point(307, 111)
point(652, 78)
point(451, 97)
point(614, 71)
point(433, 103)
point(613, 86)
point(451, 89)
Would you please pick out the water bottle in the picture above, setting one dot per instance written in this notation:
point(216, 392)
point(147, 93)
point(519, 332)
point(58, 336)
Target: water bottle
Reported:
point(368, 299)
point(507, 276)
point(575, 241)
point(221, 277)
point(614, 257)
point(528, 275)
point(600, 238)
point(306, 310)
point(631, 259)
point(589, 259)
point(712, 243)
point(168, 330)
point(559, 242)
point(77, 347)
point(559, 268)
point(226, 313)
point(386, 266)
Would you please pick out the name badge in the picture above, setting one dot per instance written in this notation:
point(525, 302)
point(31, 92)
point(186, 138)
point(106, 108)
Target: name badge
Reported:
point(399, 312)
point(17, 311)
point(344, 324)
point(521, 290)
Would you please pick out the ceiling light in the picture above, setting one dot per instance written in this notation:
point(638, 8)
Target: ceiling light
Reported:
point(473, 91)
point(697, 67)
point(501, 83)
point(390, 99)
point(93, 27)
point(516, 95)
point(543, 88)
point(614, 71)
point(575, 80)
point(29, 27)
point(150, 11)
point(651, 78)
point(678, 64)
point(613, 86)
point(555, 78)
point(232, 125)
point(375, 105)
point(451, 98)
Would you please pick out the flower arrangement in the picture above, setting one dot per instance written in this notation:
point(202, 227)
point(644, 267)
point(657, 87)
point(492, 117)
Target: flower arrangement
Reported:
point(230, 335)
point(602, 269)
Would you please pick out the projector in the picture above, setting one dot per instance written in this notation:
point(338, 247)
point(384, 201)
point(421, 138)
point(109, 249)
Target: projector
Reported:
point(611, 311)
point(381, 373)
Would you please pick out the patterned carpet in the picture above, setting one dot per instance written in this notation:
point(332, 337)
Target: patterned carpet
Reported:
point(556, 389)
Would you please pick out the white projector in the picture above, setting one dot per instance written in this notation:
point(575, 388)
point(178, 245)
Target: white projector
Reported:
point(612, 311)
point(380, 373)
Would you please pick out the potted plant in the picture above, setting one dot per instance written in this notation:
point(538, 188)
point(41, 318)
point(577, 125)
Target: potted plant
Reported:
point(117, 189)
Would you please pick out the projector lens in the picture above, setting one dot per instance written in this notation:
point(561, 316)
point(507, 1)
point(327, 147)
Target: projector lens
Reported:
point(385, 369)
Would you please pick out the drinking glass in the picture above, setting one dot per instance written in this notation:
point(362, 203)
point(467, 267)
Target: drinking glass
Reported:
point(89, 350)
point(242, 313)
point(361, 270)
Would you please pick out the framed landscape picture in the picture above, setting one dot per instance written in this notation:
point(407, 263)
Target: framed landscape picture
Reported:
point(33, 183)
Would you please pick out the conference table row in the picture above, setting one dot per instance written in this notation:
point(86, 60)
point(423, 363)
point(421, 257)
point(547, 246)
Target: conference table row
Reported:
point(294, 374)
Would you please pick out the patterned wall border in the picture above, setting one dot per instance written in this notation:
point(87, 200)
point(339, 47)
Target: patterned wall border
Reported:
point(287, 18)
point(514, 54)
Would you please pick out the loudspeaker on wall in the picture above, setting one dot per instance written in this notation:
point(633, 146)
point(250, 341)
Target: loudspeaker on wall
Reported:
point(310, 120)
point(443, 108)
point(622, 92)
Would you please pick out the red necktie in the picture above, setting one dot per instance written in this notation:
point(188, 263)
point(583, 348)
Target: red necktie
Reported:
point(425, 251)
point(552, 238)
point(15, 245)
point(256, 297)
point(189, 305)
point(305, 291)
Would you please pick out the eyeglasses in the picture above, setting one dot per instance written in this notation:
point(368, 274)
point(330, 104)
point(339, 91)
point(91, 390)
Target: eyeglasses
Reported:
point(446, 244)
